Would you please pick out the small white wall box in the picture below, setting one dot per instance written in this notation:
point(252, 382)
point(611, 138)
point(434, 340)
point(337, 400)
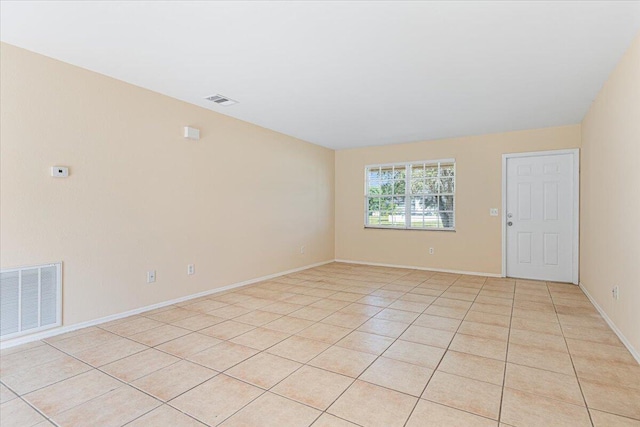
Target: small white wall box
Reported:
point(191, 133)
point(59, 171)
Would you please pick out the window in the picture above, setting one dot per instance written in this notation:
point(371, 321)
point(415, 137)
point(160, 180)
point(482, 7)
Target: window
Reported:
point(418, 195)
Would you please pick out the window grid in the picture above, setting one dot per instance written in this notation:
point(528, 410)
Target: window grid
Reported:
point(416, 195)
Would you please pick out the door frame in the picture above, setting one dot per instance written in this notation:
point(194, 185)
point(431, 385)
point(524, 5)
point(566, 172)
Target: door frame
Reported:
point(575, 152)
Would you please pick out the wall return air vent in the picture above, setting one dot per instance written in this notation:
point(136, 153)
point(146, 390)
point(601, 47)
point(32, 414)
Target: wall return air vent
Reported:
point(221, 100)
point(30, 299)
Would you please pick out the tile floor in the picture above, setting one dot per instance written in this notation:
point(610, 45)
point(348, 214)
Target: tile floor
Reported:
point(338, 345)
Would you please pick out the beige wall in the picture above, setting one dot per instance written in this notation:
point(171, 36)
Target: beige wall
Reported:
point(238, 204)
point(610, 196)
point(475, 246)
point(141, 197)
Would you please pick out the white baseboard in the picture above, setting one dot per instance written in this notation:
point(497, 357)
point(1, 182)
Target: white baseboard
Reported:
point(618, 332)
point(413, 267)
point(64, 329)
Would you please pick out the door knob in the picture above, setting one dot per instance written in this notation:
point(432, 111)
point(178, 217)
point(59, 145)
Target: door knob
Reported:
point(510, 223)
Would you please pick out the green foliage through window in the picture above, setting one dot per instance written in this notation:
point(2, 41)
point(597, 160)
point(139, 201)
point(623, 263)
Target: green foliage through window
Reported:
point(418, 195)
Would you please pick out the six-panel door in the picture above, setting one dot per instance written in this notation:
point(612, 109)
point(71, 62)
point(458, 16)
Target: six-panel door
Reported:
point(540, 217)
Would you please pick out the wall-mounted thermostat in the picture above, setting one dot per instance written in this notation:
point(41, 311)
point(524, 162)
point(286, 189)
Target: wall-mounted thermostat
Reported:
point(59, 171)
point(191, 133)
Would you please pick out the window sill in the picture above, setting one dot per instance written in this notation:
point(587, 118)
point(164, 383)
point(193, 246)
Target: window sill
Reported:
point(370, 227)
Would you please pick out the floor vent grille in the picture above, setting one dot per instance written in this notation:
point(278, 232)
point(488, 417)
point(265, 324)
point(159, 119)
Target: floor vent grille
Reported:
point(30, 299)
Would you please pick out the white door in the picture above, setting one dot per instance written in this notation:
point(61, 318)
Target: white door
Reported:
point(541, 216)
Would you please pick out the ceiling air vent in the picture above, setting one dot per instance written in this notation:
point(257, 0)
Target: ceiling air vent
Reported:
point(221, 100)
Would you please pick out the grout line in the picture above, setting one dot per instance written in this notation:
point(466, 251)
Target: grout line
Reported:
point(586, 406)
point(263, 390)
point(555, 335)
point(612, 326)
point(55, 382)
point(305, 364)
point(124, 383)
point(32, 407)
point(268, 390)
point(363, 371)
point(336, 416)
point(73, 376)
point(216, 291)
point(171, 407)
point(443, 354)
point(506, 356)
point(374, 287)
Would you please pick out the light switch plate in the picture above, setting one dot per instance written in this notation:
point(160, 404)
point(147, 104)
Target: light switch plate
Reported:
point(151, 276)
point(493, 212)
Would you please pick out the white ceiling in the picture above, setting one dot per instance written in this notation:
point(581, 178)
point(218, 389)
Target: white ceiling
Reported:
point(348, 74)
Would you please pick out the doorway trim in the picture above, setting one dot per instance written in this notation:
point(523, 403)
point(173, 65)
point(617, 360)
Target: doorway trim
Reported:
point(575, 152)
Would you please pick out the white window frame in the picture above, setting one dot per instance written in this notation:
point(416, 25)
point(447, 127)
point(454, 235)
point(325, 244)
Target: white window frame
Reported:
point(408, 195)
